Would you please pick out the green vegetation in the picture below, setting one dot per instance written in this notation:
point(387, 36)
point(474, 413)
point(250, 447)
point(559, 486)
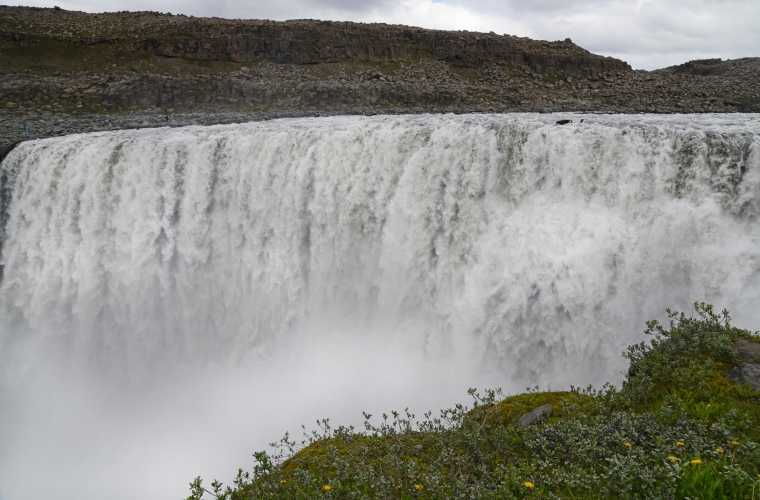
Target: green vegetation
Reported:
point(678, 428)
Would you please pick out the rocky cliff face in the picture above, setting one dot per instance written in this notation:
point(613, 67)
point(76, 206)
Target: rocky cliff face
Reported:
point(297, 42)
point(56, 64)
point(312, 42)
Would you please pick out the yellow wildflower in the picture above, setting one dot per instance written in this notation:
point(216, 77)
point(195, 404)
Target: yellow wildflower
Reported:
point(696, 461)
point(283, 481)
point(326, 487)
point(628, 445)
point(672, 458)
point(720, 450)
point(528, 484)
point(735, 443)
point(679, 443)
point(418, 486)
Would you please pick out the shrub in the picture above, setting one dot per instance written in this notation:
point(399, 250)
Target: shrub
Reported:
point(679, 427)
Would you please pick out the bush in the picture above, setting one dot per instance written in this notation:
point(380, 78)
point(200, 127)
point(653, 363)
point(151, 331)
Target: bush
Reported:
point(679, 427)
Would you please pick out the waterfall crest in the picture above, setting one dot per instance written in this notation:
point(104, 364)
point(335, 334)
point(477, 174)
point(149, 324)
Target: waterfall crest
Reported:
point(540, 245)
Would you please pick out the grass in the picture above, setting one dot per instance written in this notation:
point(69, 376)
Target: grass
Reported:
point(678, 428)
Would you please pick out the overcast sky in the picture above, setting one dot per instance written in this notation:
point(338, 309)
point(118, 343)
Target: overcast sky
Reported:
point(648, 34)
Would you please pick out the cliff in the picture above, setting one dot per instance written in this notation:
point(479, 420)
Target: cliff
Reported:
point(295, 42)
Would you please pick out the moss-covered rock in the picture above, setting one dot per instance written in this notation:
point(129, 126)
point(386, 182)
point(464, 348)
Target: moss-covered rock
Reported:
point(508, 411)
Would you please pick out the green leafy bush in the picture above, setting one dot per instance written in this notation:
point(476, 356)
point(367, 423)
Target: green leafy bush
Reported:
point(678, 428)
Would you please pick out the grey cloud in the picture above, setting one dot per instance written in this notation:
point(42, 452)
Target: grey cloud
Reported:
point(540, 6)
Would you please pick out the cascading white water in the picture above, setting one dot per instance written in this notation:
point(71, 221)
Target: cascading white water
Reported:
point(174, 282)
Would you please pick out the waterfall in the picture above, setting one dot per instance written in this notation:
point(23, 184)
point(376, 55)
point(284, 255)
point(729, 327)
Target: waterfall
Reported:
point(498, 248)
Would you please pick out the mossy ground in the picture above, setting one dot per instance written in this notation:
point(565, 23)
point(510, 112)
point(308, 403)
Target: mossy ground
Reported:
point(680, 427)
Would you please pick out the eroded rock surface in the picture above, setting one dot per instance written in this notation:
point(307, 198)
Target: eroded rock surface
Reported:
point(748, 370)
point(537, 415)
point(297, 41)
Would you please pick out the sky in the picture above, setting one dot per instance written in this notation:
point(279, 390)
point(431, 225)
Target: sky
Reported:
point(648, 34)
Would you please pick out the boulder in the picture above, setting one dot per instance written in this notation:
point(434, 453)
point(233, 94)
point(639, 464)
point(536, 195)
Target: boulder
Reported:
point(537, 415)
point(747, 372)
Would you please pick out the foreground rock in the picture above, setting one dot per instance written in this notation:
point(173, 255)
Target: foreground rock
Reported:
point(537, 415)
point(747, 372)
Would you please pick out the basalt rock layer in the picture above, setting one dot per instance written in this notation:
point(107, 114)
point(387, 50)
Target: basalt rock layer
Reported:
point(297, 42)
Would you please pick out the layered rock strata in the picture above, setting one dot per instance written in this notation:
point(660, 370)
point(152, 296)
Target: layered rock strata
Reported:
point(295, 42)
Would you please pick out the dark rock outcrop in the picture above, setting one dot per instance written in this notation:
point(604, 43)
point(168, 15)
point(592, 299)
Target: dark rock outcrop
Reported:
point(703, 67)
point(747, 372)
point(312, 42)
point(537, 415)
point(298, 41)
